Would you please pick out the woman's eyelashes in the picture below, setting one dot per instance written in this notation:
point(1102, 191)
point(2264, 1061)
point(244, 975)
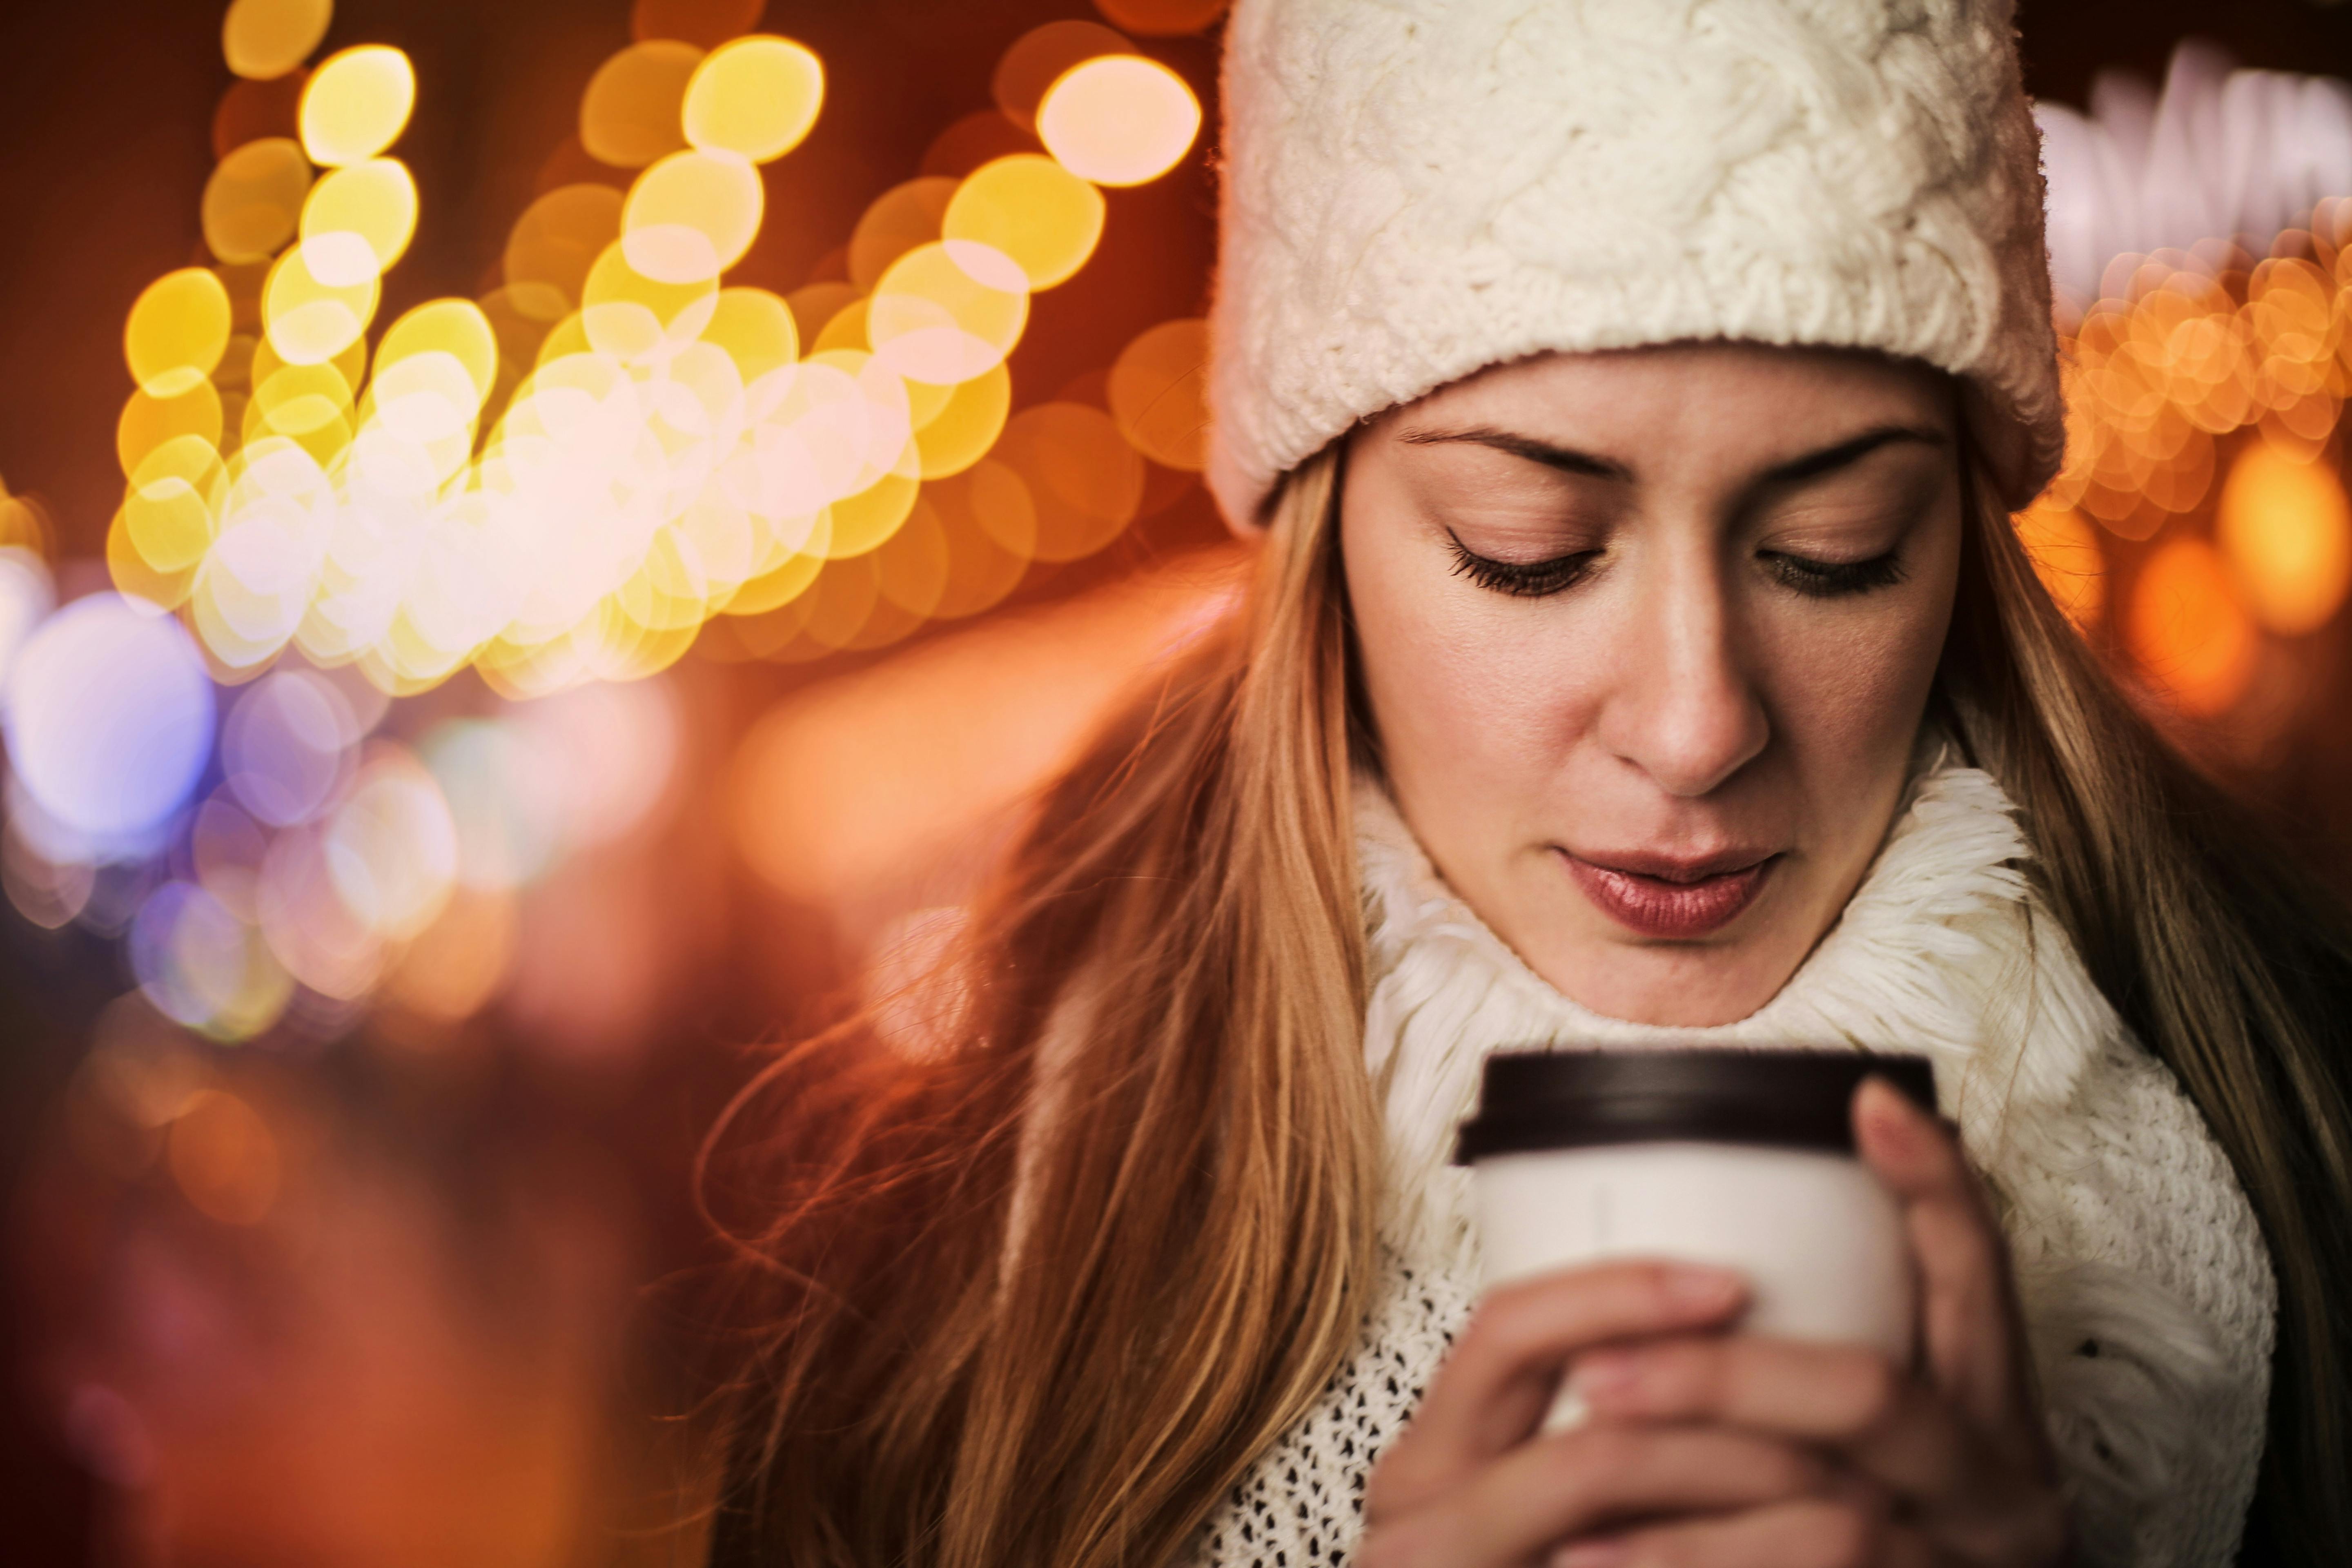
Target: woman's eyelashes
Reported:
point(1520, 579)
point(1833, 579)
point(1804, 574)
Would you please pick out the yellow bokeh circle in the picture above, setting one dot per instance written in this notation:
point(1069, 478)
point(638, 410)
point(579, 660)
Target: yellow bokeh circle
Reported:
point(356, 104)
point(375, 203)
point(1118, 120)
point(691, 216)
point(755, 98)
point(1034, 210)
point(307, 318)
point(456, 328)
point(948, 311)
point(178, 330)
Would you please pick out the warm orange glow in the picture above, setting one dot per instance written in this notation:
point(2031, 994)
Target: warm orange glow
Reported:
point(1120, 120)
point(1085, 481)
point(754, 97)
point(559, 238)
point(630, 115)
point(253, 201)
point(1035, 211)
point(2284, 524)
point(451, 972)
point(264, 40)
point(2067, 558)
point(991, 528)
point(2188, 629)
point(356, 104)
point(1159, 392)
point(866, 780)
point(1163, 19)
point(706, 23)
point(223, 1158)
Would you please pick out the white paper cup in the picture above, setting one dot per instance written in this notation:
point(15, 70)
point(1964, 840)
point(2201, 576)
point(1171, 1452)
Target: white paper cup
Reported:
point(1742, 1159)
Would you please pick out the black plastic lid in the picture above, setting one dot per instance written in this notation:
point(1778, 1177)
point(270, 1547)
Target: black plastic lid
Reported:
point(1571, 1098)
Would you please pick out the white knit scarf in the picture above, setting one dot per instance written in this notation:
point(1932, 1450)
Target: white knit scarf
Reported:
point(2148, 1289)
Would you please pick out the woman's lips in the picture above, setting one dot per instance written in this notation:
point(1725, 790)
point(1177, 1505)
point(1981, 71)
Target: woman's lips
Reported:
point(1669, 903)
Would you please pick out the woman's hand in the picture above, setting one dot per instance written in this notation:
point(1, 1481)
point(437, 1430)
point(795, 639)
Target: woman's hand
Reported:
point(1707, 1448)
point(1463, 1487)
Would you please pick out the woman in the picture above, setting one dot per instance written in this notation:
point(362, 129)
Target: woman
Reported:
point(1632, 397)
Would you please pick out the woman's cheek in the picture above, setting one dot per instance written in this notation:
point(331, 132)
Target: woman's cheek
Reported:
point(1846, 693)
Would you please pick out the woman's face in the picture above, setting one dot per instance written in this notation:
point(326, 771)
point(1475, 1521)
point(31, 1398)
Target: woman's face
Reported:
point(1647, 638)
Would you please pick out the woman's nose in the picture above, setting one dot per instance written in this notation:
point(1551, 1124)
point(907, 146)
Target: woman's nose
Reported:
point(1685, 709)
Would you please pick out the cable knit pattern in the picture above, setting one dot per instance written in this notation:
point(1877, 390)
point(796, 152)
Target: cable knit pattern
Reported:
point(2147, 1286)
point(1416, 189)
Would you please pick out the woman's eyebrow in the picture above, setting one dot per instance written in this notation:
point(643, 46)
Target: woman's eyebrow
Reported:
point(1565, 459)
point(1846, 453)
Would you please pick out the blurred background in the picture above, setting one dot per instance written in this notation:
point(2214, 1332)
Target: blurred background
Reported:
point(542, 547)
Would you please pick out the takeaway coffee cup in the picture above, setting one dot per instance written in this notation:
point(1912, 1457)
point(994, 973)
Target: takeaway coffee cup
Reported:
point(1742, 1159)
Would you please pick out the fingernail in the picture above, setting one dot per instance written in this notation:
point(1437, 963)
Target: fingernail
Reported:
point(1602, 1377)
point(1591, 1554)
point(1701, 1289)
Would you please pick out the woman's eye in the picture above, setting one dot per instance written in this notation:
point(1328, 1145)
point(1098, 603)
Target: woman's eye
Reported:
point(1521, 579)
point(1834, 579)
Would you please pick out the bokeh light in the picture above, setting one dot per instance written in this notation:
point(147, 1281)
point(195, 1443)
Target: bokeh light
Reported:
point(374, 203)
point(356, 104)
point(754, 97)
point(631, 113)
point(1120, 120)
point(1040, 56)
point(948, 311)
point(264, 40)
point(1032, 209)
point(1159, 394)
point(179, 329)
point(2188, 631)
point(109, 719)
point(254, 200)
point(2283, 523)
point(691, 216)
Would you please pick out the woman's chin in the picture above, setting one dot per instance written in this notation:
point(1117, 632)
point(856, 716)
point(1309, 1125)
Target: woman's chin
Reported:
point(1671, 985)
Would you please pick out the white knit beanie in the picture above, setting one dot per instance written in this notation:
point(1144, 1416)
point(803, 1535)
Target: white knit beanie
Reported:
point(1416, 189)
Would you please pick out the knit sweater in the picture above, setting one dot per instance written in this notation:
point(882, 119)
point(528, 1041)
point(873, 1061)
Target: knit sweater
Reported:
point(2145, 1286)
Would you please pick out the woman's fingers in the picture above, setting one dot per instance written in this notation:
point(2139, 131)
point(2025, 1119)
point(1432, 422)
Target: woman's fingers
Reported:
point(1501, 1377)
point(1980, 1496)
point(1857, 1402)
point(1811, 1532)
point(1969, 1338)
point(1575, 1482)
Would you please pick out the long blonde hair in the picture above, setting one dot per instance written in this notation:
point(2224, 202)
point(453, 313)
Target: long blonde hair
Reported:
point(1039, 1300)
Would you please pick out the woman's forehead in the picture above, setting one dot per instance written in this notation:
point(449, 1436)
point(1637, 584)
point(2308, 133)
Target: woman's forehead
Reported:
point(1620, 404)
